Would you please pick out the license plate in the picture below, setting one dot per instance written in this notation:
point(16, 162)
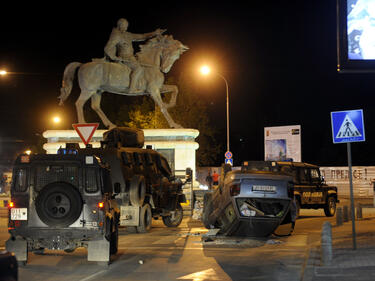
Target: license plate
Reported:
point(18, 214)
point(264, 188)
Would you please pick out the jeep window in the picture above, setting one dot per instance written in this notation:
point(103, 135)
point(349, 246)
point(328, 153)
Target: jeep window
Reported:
point(315, 177)
point(46, 174)
point(291, 172)
point(20, 184)
point(91, 183)
point(303, 175)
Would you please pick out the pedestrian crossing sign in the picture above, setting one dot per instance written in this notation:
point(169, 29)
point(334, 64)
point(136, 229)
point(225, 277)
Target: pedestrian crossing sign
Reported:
point(229, 161)
point(347, 126)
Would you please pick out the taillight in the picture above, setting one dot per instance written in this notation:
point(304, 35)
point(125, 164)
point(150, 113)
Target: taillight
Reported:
point(100, 205)
point(10, 204)
point(235, 189)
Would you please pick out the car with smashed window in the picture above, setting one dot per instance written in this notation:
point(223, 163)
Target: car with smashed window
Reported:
point(250, 201)
point(61, 202)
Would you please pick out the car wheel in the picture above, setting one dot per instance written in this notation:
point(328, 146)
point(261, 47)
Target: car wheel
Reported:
point(137, 190)
point(330, 207)
point(59, 204)
point(176, 221)
point(145, 219)
point(207, 209)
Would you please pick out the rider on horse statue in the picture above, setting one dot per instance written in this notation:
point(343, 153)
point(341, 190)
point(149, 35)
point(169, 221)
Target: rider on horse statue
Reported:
point(119, 48)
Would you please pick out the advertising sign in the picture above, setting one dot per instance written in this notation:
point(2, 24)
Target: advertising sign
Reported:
point(282, 143)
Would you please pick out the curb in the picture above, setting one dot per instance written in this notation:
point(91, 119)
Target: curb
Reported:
point(312, 260)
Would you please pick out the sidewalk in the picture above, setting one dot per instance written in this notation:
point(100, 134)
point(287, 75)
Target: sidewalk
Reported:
point(347, 264)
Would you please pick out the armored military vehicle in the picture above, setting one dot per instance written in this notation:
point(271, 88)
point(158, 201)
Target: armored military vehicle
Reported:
point(148, 188)
point(61, 202)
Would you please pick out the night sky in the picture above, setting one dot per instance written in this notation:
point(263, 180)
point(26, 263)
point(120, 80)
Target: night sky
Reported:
point(279, 58)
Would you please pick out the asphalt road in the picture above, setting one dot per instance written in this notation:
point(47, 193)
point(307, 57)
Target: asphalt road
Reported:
point(179, 254)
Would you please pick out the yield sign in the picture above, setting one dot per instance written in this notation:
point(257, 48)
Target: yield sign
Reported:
point(85, 131)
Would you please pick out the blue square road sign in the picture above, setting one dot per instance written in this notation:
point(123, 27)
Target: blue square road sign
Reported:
point(229, 161)
point(348, 126)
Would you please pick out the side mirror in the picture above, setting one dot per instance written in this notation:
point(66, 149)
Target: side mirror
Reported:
point(117, 188)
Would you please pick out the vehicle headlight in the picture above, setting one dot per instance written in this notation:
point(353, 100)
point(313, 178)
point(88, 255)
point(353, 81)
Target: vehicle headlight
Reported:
point(245, 211)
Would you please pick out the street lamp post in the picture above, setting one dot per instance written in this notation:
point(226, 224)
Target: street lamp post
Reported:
point(205, 70)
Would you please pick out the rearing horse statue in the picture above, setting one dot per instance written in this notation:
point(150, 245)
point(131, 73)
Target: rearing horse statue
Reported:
point(98, 76)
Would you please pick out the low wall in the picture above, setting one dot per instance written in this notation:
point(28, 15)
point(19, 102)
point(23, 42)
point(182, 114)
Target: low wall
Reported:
point(363, 179)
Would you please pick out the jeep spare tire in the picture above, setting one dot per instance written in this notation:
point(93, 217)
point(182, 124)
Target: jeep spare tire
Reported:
point(59, 204)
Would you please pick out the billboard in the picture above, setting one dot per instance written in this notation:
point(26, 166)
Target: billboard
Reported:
point(282, 143)
point(356, 35)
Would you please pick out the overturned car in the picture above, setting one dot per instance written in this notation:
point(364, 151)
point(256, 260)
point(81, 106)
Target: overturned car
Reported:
point(252, 201)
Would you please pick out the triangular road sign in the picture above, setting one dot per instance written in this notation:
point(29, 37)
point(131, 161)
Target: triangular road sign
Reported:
point(348, 129)
point(85, 131)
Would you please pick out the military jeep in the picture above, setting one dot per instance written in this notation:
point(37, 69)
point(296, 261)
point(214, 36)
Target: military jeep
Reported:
point(310, 190)
point(61, 202)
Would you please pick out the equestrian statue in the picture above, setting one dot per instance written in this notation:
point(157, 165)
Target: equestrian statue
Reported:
point(121, 72)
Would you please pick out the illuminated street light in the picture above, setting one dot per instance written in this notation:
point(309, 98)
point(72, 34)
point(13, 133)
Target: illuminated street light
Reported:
point(205, 70)
point(28, 152)
point(56, 119)
point(3, 72)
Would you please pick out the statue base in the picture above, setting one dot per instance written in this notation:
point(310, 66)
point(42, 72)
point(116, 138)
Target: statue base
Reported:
point(177, 145)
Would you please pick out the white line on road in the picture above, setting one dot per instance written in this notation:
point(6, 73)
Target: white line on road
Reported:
point(92, 276)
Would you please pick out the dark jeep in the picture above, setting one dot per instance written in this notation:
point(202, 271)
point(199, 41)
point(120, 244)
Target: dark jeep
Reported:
point(249, 202)
point(310, 190)
point(148, 188)
point(61, 202)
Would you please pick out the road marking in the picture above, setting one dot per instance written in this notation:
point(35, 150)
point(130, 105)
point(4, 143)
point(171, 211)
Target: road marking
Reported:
point(92, 276)
point(208, 274)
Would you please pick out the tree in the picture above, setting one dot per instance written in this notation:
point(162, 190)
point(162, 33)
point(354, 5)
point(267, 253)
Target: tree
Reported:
point(190, 112)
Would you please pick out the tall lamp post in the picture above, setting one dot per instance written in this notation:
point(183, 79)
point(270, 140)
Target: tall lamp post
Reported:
point(205, 70)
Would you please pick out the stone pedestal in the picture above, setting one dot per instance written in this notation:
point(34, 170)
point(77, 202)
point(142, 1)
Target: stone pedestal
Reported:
point(177, 145)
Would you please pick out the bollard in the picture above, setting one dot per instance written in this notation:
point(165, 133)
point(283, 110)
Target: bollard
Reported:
point(339, 216)
point(346, 214)
point(326, 244)
point(359, 211)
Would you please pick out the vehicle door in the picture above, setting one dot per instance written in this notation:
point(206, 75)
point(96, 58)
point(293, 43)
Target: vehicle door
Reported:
point(304, 185)
point(316, 187)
